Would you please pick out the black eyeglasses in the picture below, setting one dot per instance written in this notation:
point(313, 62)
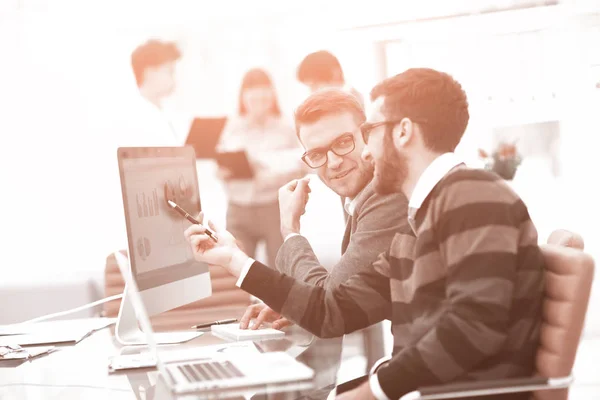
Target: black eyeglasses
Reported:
point(367, 127)
point(318, 157)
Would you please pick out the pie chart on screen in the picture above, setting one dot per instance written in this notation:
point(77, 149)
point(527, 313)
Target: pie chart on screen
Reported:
point(143, 247)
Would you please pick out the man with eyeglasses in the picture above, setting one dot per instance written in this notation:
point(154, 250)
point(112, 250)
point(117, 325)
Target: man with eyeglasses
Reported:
point(464, 293)
point(328, 126)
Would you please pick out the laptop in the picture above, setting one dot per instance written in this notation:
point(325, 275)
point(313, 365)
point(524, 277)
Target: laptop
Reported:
point(225, 375)
point(204, 135)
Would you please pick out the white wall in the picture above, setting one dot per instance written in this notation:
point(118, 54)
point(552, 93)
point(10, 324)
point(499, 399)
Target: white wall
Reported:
point(68, 100)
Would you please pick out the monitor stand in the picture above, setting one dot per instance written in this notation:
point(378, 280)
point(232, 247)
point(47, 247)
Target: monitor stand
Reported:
point(128, 332)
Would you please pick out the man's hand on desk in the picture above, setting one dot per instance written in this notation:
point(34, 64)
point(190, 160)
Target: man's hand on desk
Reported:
point(224, 253)
point(293, 197)
point(263, 313)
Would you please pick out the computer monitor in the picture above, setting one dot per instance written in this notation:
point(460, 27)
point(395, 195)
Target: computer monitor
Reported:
point(161, 259)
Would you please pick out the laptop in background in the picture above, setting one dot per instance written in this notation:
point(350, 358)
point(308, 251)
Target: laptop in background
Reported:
point(204, 135)
point(225, 375)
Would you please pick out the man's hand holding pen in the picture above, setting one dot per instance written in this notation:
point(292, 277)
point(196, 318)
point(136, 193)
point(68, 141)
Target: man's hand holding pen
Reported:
point(193, 220)
point(223, 252)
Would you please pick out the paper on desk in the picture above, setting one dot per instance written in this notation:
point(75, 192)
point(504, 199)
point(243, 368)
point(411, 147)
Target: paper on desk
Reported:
point(179, 353)
point(234, 332)
point(25, 354)
point(85, 324)
point(61, 331)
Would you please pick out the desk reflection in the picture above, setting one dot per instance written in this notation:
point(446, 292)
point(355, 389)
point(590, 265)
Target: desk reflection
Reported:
point(81, 371)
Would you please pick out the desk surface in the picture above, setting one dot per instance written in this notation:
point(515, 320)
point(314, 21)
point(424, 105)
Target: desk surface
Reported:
point(80, 371)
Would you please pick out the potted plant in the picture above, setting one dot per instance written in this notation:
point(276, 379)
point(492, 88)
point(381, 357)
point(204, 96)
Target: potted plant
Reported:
point(504, 161)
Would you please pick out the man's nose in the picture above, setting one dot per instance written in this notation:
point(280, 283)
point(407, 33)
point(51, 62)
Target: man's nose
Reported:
point(333, 160)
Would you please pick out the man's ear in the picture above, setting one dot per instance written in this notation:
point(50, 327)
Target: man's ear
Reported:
point(338, 75)
point(404, 132)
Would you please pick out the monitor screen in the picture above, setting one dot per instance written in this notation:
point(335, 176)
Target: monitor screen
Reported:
point(158, 250)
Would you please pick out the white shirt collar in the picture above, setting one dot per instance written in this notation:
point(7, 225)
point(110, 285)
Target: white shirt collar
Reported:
point(350, 203)
point(430, 177)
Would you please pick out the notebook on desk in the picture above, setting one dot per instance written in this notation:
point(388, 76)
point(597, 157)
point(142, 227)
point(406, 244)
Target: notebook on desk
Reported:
point(233, 332)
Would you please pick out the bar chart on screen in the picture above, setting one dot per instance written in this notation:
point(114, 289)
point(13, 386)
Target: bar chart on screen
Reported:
point(147, 206)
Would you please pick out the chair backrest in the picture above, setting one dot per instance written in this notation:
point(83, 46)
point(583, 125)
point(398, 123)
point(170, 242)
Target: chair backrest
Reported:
point(227, 300)
point(568, 282)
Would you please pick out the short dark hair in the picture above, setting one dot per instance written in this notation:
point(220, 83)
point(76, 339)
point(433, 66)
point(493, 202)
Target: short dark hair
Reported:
point(325, 102)
point(257, 77)
point(432, 99)
point(320, 66)
point(152, 54)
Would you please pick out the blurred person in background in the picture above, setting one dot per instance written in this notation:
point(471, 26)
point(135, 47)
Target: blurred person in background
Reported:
point(322, 69)
point(274, 153)
point(153, 65)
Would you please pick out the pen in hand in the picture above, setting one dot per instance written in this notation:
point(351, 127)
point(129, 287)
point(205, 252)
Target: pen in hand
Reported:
point(221, 322)
point(193, 220)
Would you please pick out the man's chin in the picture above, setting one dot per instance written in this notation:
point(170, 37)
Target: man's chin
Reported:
point(342, 190)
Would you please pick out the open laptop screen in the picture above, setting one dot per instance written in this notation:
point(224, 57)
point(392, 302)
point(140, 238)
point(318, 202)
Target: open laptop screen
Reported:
point(158, 250)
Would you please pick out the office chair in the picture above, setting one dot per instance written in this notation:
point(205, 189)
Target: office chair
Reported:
point(227, 300)
point(568, 281)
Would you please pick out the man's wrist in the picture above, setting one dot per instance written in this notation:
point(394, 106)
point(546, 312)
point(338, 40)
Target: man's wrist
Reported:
point(245, 269)
point(374, 384)
point(288, 229)
point(376, 389)
point(290, 235)
point(237, 262)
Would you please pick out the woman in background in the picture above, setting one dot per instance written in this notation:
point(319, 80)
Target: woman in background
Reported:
point(274, 153)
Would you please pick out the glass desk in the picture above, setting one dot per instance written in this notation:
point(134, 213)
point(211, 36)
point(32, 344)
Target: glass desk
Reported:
point(81, 371)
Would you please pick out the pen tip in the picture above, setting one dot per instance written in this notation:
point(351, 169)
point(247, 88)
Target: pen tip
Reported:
point(171, 203)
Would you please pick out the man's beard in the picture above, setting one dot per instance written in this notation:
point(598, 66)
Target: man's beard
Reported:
point(391, 171)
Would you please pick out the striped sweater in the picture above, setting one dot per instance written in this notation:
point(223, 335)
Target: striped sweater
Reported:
point(464, 295)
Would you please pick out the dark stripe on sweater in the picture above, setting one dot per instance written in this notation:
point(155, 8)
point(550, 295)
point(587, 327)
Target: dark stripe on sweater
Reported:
point(397, 379)
point(456, 342)
point(524, 358)
point(484, 265)
point(475, 215)
point(260, 282)
point(401, 268)
point(530, 257)
point(404, 313)
point(464, 174)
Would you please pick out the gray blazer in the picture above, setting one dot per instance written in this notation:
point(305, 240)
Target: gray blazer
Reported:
point(369, 232)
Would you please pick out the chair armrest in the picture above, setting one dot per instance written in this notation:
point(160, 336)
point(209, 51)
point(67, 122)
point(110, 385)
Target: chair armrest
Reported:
point(488, 388)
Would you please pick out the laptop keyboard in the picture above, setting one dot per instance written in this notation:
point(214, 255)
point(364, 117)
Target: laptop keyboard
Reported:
point(209, 371)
